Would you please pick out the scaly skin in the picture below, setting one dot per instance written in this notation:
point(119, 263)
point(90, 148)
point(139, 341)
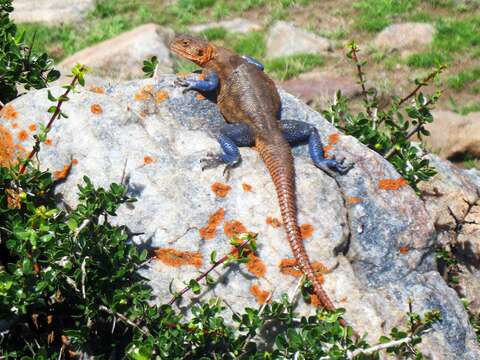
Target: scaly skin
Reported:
point(245, 94)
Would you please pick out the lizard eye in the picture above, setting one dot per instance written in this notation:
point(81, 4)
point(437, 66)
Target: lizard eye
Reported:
point(185, 43)
point(200, 53)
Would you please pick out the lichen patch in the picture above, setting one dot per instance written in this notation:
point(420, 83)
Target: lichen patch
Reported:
point(176, 258)
point(209, 231)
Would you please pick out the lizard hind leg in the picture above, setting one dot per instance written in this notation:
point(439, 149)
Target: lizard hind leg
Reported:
point(231, 137)
point(296, 132)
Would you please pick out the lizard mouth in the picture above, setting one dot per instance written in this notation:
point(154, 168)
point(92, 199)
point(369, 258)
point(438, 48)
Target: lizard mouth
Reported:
point(200, 56)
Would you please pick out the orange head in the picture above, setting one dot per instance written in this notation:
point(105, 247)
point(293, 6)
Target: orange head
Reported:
point(194, 49)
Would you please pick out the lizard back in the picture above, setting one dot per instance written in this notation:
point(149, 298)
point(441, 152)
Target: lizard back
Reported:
point(249, 96)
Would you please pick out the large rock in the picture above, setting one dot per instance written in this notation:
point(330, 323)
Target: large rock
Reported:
point(286, 39)
point(453, 134)
point(452, 198)
point(50, 12)
point(236, 25)
point(321, 86)
point(122, 57)
point(405, 37)
point(367, 227)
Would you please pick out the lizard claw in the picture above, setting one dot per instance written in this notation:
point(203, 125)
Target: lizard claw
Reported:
point(211, 161)
point(182, 82)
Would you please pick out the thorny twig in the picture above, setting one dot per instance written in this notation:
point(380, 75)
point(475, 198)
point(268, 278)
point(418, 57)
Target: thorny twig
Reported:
point(217, 263)
point(422, 83)
point(124, 319)
point(361, 78)
point(36, 146)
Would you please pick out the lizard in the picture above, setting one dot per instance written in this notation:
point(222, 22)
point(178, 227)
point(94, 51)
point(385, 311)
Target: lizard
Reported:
point(250, 103)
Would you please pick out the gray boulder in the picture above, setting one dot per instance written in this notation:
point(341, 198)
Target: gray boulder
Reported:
point(50, 12)
point(371, 231)
point(286, 39)
point(122, 56)
point(405, 37)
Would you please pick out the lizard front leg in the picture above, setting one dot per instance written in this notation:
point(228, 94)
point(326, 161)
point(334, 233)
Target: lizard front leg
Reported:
point(231, 137)
point(296, 132)
point(253, 61)
point(209, 83)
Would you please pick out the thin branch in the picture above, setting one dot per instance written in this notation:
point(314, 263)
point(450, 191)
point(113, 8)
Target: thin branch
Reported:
point(379, 347)
point(362, 80)
point(36, 146)
point(82, 226)
point(84, 276)
point(124, 319)
point(293, 295)
point(217, 263)
point(421, 84)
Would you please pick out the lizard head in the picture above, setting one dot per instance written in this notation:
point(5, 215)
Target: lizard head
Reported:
point(194, 49)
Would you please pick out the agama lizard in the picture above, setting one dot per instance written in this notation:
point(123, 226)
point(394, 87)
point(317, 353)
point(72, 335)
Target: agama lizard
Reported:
point(250, 103)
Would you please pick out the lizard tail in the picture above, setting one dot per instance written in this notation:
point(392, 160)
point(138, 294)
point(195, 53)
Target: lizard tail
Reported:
point(277, 156)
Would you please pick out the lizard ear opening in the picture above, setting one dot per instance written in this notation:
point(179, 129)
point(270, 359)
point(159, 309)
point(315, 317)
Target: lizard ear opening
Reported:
point(200, 52)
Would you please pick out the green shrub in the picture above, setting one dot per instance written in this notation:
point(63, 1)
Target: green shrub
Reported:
point(389, 131)
point(19, 65)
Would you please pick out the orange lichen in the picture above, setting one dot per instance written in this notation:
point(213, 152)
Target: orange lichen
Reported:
point(289, 267)
point(22, 135)
point(161, 96)
point(273, 222)
point(260, 295)
point(7, 148)
point(333, 139)
point(392, 184)
point(246, 187)
point(96, 109)
point(97, 89)
point(200, 97)
point(256, 266)
point(148, 160)
point(177, 258)
point(404, 249)
point(62, 174)
point(48, 142)
point(233, 228)
point(306, 231)
point(201, 76)
point(32, 127)
point(9, 112)
point(353, 200)
point(208, 232)
point(14, 125)
point(221, 190)
point(13, 199)
point(74, 161)
point(144, 93)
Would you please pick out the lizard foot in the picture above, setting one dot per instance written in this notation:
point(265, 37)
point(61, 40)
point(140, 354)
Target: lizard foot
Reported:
point(338, 166)
point(212, 161)
point(182, 82)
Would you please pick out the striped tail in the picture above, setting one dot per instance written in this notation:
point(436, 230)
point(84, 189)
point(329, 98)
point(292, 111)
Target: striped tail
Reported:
point(278, 158)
